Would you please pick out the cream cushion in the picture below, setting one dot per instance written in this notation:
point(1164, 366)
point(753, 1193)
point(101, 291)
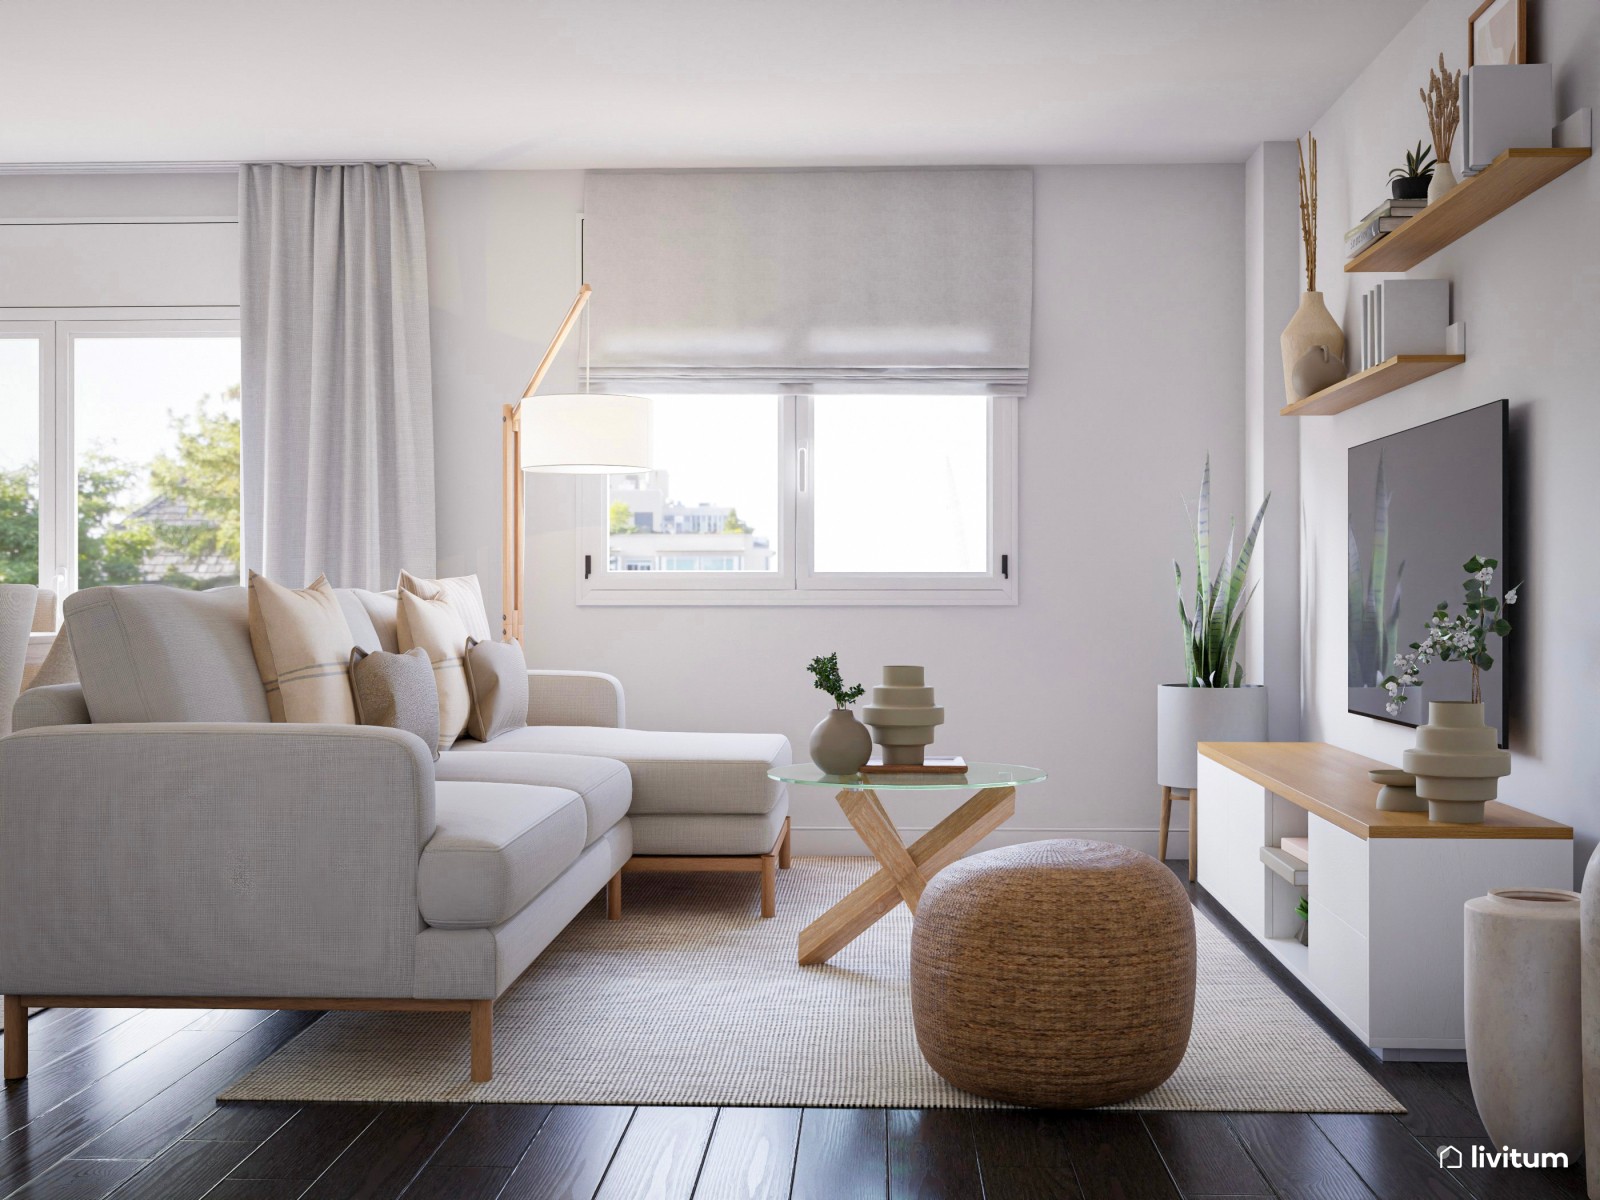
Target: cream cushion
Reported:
point(461, 592)
point(497, 679)
point(434, 626)
point(302, 646)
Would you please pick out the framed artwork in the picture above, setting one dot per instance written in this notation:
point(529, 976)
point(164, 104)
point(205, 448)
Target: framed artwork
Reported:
point(1497, 33)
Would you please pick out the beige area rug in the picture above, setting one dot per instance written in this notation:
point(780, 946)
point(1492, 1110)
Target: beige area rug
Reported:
point(693, 999)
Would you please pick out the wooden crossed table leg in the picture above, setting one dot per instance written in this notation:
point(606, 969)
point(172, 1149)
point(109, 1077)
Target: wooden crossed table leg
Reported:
point(906, 870)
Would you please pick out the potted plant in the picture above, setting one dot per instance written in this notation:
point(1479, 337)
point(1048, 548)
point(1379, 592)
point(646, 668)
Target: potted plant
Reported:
point(840, 744)
point(1457, 760)
point(1212, 704)
point(1411, 181)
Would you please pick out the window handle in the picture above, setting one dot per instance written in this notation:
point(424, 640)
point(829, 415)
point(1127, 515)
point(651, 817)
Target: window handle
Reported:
point(804, 468)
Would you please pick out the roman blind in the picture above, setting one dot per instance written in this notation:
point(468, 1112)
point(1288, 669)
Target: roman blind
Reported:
point(835, 280)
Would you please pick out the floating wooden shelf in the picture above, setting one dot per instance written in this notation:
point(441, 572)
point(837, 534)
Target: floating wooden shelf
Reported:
point(1515, 174)
point(1375, 381)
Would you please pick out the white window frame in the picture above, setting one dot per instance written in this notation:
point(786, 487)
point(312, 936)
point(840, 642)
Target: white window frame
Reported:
point(796, 582)
point(57, 331)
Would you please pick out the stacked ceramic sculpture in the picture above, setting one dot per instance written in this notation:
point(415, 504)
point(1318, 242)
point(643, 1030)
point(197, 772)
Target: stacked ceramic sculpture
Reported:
point(902, 716)
point(1457, 761)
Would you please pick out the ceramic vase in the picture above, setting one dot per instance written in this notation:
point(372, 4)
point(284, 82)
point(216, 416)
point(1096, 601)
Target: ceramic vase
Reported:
point(1186, 716)
point(1523, 1018)
point(1317, 369)
point(1589, 959)
point(1397, 791)
point(1443, 180)
point(903, 716)
point(1457, 762)
point(840, 744)
point(1311, 325)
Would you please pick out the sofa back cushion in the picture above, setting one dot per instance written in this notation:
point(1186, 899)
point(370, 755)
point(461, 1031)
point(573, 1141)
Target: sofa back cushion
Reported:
point(383, 610)
point(151, 653)
point(363, 632)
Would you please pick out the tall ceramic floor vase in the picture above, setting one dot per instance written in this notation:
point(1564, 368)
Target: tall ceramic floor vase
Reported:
point(1457, 761)
point(1523, 1018)
point(1186, 716)
point(1589, 938)
point(840, 744)
point(1311, 325)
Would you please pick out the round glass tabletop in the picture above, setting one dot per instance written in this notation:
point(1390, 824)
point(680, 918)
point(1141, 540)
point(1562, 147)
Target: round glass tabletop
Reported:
point(976, 777)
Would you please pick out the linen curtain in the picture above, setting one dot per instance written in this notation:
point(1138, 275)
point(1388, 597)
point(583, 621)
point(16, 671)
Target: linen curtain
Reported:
point(726, 280)
point(337, 391)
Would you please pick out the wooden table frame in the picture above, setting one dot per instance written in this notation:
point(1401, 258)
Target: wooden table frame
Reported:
point(906, 869)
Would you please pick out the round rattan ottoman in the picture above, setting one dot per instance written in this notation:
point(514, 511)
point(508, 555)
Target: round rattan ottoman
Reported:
point(1057, 974)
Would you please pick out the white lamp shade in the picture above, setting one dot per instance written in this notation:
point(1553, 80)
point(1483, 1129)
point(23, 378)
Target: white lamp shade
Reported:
point(586, 434)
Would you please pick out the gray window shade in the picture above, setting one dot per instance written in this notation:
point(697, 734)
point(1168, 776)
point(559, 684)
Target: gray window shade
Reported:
point(823, 279)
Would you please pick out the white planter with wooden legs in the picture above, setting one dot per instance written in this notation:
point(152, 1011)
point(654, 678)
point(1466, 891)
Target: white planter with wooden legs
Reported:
point(1187, 716)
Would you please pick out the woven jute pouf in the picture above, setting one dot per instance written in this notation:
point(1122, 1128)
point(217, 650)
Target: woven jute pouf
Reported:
point(1058, 974)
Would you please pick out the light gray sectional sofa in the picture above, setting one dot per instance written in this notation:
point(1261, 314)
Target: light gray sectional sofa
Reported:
point(163, 843)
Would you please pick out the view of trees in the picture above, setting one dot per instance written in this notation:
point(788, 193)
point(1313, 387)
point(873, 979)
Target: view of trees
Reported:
point(189, 535)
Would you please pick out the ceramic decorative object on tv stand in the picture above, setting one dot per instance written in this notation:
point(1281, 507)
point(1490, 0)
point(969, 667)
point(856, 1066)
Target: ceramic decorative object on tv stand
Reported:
point(903, 716)
point(1457, 761)
point(1524, 1036)
point(1399, 791)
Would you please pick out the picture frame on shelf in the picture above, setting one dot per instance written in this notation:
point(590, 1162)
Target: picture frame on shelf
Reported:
point(1497, 34)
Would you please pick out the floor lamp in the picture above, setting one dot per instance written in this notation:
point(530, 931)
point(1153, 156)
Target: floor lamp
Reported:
point(582, 433)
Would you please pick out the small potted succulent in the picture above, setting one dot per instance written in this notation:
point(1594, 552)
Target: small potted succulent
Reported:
point(1411, 181)
point(840, 744)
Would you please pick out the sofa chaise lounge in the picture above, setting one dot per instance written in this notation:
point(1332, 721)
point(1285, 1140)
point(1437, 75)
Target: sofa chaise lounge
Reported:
point(163, 843)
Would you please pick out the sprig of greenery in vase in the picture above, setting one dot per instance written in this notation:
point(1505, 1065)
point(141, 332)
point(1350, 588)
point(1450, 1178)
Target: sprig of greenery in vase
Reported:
point(1462, 636)
point(1211, 636)
point(826, 670)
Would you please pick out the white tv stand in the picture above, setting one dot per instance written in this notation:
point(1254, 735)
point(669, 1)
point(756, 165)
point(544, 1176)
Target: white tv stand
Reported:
point(1385, 889)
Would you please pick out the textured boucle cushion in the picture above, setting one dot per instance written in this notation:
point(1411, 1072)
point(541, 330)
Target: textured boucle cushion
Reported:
point(497, 681)
point(302, 648)
point(434, 626)
point(462, 593)
point(150, 653)
point(396, 691)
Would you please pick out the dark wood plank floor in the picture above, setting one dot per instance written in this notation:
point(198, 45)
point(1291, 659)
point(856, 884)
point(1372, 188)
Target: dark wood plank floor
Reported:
point(121, 1103)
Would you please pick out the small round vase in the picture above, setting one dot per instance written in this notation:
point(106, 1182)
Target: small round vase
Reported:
point(1524, 1033)
point(840, 744)
point(1311, 325)
point(1457, 761)
point(1443, 180)
point(1397, 791)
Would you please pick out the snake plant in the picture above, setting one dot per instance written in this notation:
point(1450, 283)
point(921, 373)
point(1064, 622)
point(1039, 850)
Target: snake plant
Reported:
point(1211, 636)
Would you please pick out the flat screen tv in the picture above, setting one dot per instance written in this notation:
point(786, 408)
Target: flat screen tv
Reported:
point(1421, 503)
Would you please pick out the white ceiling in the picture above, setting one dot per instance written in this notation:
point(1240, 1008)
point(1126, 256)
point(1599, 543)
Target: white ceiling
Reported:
point(603, 83)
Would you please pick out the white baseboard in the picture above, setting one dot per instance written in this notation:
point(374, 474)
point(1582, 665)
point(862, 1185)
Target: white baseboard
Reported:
point(841, 839)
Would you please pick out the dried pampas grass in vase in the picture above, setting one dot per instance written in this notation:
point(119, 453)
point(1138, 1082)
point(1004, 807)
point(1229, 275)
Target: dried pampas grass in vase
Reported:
point(1442, 100)
point(1312, 328)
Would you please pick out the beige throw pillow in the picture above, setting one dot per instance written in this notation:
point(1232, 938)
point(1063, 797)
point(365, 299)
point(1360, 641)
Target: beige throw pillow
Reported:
point(302, 647)
point(461, 592)
point(434, 626)
point(497, 678)
point(396, 691)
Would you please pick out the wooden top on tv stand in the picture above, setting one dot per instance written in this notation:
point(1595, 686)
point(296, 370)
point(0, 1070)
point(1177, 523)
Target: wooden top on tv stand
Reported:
point(1333, 784)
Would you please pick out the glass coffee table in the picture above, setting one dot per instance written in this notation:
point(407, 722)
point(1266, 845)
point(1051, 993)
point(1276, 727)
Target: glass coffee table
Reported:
point(906, 869)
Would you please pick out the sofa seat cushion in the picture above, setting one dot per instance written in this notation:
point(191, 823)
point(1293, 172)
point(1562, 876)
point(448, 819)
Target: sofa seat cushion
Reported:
point(603, 784)
point(672, 772)
point(496, 846)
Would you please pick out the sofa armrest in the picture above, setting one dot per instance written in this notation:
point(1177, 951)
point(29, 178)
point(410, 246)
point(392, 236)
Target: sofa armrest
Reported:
point(575, 698)
point(211, 859)
point(44, 705)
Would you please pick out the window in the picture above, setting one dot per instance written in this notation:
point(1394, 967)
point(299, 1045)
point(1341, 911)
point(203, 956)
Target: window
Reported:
point(132, 474)
point(802, 499)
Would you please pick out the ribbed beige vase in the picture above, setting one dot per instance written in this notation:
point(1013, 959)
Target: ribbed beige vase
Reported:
point(1457, 761)
point(903, 716)
point(1311, 325)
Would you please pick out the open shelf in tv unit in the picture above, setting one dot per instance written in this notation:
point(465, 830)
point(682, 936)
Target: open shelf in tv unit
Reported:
point(1514, 174)
point(1376, 381)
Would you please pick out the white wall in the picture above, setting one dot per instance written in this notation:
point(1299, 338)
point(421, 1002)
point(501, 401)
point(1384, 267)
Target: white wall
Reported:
point(1528, 287)
point(1137, 371)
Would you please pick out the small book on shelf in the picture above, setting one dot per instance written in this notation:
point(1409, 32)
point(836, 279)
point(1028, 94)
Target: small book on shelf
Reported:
point(932, 764)
point(1297, 847)
point(1389, 208)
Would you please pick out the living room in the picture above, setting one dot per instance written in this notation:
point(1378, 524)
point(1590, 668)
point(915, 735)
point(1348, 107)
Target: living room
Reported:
point(742, 454)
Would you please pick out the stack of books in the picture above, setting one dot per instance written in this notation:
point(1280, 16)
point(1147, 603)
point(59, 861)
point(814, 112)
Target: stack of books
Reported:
point(1384, 219)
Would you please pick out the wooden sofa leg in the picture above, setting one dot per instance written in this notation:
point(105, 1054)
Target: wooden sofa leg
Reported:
point(783, 847)
point(16, 1017)
point(769, 885)
point(482, 1022)
point(614, 897)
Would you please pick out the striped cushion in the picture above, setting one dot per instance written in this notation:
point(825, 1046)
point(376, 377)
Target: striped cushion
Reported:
point(434, 626)
point(302, 646)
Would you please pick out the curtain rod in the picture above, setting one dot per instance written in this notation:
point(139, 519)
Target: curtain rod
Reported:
point(214, 167)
